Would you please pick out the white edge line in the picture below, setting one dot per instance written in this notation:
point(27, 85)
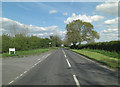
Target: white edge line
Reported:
point(11, 82)
point(21, 75)
point(68, 63)
point(76, 81)
point(17, 77)
point(27, 70)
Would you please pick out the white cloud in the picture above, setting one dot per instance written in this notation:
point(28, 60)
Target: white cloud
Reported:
point(112, 21)
point(65, 13)
point(84, 18)
point(109, 8)
point(10, 26)
point(111, 31)
point(43, 32)
point(53, 11)
point(109, 34)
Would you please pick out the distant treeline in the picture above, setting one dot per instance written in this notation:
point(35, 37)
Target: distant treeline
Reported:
point(21, 42)
point(108, 46)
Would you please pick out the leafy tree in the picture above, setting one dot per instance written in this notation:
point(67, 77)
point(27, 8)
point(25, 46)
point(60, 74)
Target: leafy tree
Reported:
point(22, 42)
point(88, 34)
point(73, 31)
point(78, 31)
point(6, 42)
point(56, 41)
point(66, 42)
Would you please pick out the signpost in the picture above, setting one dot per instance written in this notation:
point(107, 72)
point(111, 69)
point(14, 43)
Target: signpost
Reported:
point(11, 49)
point(49, 44)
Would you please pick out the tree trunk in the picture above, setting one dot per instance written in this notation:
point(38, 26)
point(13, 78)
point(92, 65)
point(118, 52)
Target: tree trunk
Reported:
point(74, 45)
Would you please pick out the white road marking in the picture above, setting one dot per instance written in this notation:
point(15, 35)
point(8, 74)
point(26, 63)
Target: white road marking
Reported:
point(25, 72)
point(63, 52)
point(11, 82)
point(68, 63)
point(76, 81)
point(65, 56)
point(21, 75)
point(17, 77)
point(29, 69)
point(39, 59)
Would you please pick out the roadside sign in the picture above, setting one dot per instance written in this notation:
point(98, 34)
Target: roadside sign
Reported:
point(11, 49)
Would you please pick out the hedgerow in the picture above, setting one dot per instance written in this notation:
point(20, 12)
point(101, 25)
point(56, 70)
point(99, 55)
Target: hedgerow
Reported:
point(108, 46)
point(21, 42)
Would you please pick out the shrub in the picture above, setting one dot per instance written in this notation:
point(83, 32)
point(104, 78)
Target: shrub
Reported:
point(21, 42)
point(108, 46)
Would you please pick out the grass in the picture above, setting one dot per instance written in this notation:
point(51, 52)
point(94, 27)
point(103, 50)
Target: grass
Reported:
point(103, 58)
point(67, 47)
point(107, 53)
point(29, 52)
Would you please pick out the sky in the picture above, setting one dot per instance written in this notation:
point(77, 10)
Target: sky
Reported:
point(50, 18)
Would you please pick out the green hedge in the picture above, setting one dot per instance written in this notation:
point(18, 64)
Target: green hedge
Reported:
point(21, 42)
point(109, 46)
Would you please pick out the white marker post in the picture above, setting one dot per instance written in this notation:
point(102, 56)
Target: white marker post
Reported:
point(11, 49)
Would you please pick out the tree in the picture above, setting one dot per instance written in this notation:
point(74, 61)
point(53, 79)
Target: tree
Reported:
point(66, 42)
point(21, 42)
point(78, 31)
point(73, 31)
point(56, 41)
point(88, 34)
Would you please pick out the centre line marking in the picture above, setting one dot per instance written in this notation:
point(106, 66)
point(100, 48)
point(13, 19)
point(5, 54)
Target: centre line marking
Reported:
point(63, 52)
point(65, 56)
point(68, 63)
point(76, 81)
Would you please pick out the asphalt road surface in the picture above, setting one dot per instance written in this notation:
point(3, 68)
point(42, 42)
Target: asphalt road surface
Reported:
point(64, 67)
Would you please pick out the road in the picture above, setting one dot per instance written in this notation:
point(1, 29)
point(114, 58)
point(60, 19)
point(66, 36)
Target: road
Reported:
point(64, 67)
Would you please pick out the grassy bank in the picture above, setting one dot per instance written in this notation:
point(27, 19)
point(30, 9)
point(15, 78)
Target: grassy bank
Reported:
point(99, 56)
point(107, 53)
point(29, 52)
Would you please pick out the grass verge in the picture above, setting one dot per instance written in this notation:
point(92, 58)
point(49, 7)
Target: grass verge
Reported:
point(107, 53)
point(67, 47)
point(29, 52)
point(110, 61)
